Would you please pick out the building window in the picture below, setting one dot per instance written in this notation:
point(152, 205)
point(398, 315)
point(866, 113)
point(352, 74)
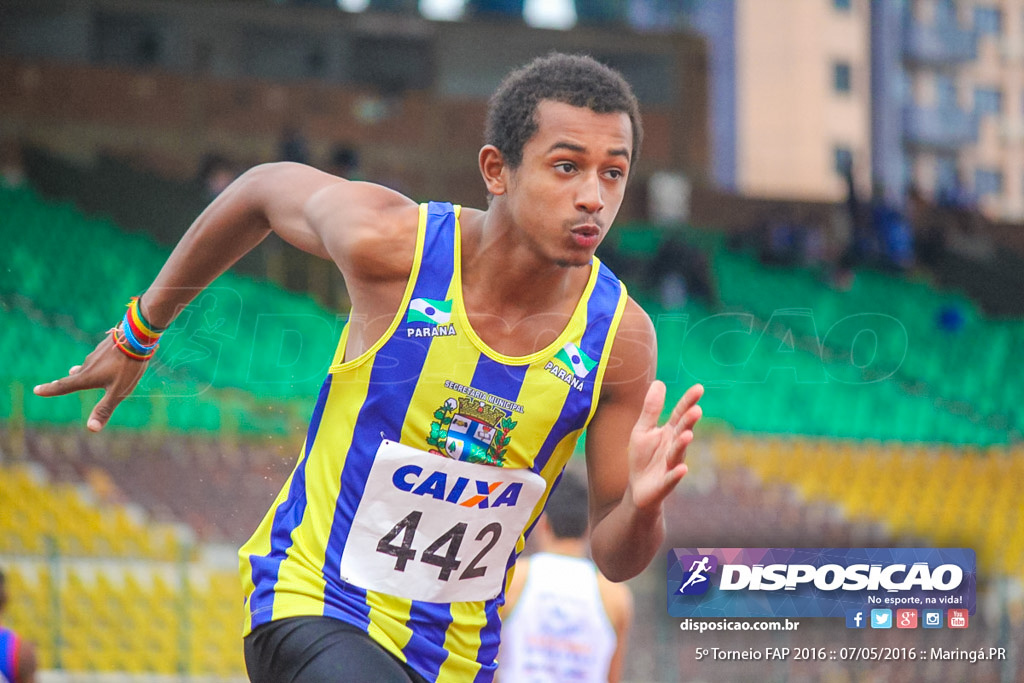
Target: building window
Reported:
point(988, 101)
point(842, 5)
point(945, 13)
point(945, 93)
point(988, 21)
point(987, 182)
point(841, 78)
point(842, 159)
point(947, 176)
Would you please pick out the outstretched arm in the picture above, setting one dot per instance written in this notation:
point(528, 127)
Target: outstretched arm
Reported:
point(633, 463)
point(344, 221)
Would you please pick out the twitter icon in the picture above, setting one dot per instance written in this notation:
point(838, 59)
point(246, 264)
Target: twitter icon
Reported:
point(881, 618)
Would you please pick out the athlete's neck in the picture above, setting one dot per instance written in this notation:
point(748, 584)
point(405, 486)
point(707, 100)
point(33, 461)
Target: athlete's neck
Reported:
point(499, 267)
point(573, 547)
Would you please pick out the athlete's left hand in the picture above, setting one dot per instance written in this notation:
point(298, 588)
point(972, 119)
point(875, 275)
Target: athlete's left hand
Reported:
point(657, 454)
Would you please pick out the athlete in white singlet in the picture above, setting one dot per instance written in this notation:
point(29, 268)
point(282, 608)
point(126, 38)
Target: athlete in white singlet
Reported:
point(564, 622)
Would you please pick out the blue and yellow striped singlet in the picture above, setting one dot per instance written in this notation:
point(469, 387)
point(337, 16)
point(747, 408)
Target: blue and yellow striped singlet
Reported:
point(416, 547)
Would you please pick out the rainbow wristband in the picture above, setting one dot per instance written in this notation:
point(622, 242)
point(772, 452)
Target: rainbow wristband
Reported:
point(143, 331)
point(137, 339)
point(133, 341)
point(121, 343)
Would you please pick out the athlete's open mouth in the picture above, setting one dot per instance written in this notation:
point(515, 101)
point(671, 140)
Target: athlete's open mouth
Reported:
point(587, 230)
point(587, 235)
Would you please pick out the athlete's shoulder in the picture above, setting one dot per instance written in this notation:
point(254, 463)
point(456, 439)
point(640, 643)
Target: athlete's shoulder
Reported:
point(634, 350)
point(369, 230)
point(358, 204)
point(635, 320)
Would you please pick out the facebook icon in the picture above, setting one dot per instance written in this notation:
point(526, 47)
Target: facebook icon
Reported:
point(855, 618)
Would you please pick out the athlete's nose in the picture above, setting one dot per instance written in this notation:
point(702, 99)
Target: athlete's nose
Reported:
point(588, 196)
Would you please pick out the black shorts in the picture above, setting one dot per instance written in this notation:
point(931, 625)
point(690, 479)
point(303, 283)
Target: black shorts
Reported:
point(320, 650)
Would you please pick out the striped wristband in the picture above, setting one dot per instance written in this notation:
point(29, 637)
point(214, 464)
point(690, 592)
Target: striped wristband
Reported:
point(135, 337)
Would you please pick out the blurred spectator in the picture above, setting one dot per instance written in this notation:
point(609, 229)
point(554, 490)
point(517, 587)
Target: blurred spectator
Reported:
point(672, 290)
point(293, 146)
point(782, 240)
point(344, 163)
point(612, 257)
point(680, 271)
point(950, 318)
point(895, 244)
point(881, 233)
point(216, 173)
point(965, 236)
point(813, 247)
point(921, 217)
point(859, 245)
point(838, 239)
point(12, 165)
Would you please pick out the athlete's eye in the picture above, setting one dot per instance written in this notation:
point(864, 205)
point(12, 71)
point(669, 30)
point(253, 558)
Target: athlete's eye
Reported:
point(565, 167)
point(615, 173)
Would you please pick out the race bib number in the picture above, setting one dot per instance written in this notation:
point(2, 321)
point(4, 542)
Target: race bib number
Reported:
point(435, 529)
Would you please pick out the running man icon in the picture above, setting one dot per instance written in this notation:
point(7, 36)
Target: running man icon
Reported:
point(697, 570)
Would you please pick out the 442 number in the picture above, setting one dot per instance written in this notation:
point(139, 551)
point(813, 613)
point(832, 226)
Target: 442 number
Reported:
point(443, 551)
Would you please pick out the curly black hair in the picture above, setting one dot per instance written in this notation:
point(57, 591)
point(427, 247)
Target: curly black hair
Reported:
point(577, 80)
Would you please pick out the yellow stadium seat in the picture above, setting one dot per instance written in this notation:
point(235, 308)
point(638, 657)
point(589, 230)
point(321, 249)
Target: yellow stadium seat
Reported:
point(938, 495)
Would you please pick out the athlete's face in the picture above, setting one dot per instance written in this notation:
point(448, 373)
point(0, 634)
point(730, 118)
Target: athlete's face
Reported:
point(568, 188)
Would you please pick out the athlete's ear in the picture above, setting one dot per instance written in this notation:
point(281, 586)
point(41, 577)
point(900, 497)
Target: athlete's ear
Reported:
point(494, 169)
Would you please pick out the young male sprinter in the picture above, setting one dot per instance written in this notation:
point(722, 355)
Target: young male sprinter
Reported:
point(562, 621)
point(480, 344)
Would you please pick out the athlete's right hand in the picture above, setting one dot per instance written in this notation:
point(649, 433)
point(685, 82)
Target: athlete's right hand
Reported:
point(105, 368)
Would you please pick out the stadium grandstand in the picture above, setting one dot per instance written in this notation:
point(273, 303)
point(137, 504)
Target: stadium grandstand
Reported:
point(850, 402)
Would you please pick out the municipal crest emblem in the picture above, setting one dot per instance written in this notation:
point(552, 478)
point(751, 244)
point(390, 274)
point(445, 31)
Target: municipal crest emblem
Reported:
point(471, 430)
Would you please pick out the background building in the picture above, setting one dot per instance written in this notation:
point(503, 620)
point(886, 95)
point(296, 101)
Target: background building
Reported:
point(995, 83)
point(919, 94)
point(790, 94)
